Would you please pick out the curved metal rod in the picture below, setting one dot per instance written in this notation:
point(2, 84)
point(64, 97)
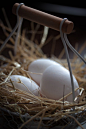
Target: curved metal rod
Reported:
point(16, 26)
point(67, 56)
point(71, 47)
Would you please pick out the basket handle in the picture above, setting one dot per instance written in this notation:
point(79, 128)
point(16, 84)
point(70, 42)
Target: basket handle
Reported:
point(43, 18)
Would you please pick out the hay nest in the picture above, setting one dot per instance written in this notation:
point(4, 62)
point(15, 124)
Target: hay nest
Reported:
point(28, 107)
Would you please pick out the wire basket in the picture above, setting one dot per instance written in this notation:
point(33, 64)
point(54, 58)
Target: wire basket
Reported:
point(14, 120)
point(19, 109)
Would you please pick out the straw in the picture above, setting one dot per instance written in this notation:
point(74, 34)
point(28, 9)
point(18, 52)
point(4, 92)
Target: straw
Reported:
point(36, 106)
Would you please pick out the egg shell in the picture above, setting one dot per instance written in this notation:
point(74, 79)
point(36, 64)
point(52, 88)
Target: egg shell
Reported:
point(25, 84)
point(53, 81)
point(38, 66)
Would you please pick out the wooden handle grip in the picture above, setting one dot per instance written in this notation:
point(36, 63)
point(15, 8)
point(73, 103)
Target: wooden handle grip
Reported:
point(43, 18)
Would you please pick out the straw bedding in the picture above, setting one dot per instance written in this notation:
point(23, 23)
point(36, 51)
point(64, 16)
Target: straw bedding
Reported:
point(15, 100)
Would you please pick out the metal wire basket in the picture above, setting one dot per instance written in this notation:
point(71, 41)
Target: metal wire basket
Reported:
point(12, 119)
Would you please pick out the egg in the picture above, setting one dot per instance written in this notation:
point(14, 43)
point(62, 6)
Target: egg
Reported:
point(56, 79)
point(38, 66)
point(24, 84)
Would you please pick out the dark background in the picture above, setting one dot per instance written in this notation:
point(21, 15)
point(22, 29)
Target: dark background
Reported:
point(79, 19)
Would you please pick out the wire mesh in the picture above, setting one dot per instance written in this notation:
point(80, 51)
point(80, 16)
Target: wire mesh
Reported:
point(13, 120)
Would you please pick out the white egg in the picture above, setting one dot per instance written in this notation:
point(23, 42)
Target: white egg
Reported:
point(38, 66)
point(25, 84)
point(54, 80)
